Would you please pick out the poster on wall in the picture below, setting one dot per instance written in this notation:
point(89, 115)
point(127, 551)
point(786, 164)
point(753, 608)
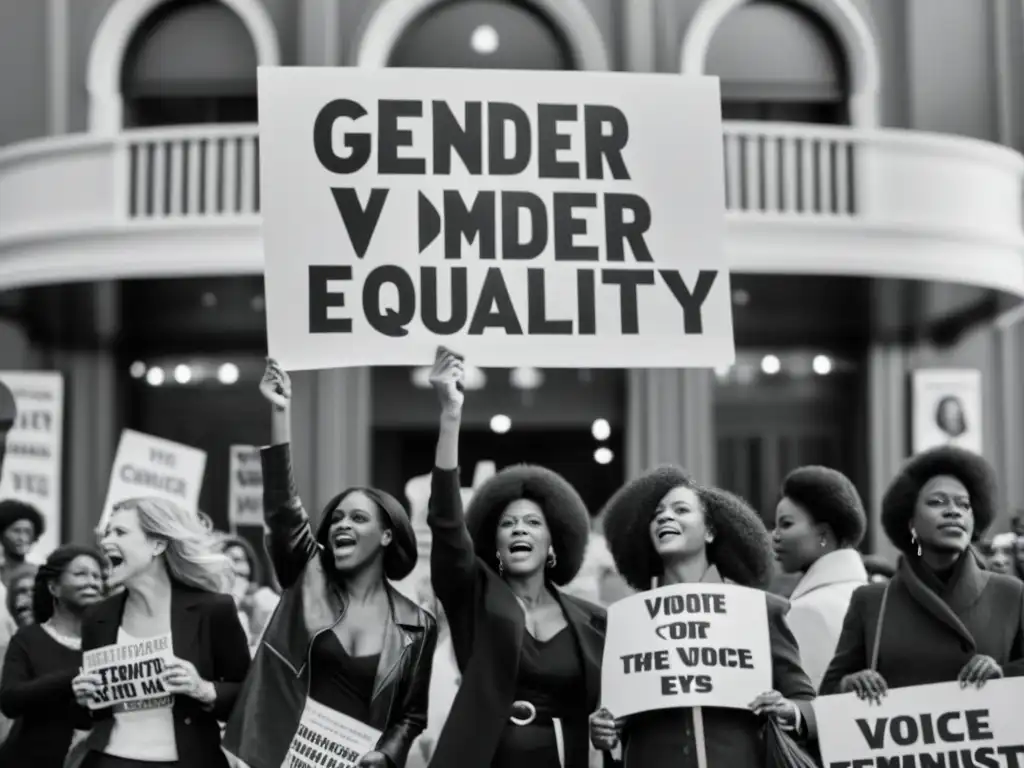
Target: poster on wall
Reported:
point(555, 219)
point(31, 434)
point(947, 409)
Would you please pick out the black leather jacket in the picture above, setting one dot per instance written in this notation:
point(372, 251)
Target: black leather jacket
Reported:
point(272, 699)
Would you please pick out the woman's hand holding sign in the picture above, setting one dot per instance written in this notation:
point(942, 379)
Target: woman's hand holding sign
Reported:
point(979, 671)
point(85, 686)
point(867, 684)
point(605, 730)
point(181, 677)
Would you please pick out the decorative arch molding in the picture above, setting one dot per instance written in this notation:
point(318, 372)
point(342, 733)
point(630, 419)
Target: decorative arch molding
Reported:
point(386, 26)
point(106, 56)
point(844, 18)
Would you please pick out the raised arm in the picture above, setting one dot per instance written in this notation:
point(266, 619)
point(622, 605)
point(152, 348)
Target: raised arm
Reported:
point(452, 559)
point(290, 539)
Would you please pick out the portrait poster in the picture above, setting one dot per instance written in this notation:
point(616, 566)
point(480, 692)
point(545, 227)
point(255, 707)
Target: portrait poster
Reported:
point(947, 409)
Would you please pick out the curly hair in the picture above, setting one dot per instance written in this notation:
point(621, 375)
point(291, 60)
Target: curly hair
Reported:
point(741, 549)
point(829, 497)
point(900, 497)
point(52, 570)
point(564, 511)
point(12, 510)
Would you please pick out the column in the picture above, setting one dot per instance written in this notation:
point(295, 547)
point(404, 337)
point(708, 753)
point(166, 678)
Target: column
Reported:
point(639, 36)
point(319, 33)
point(330, 432)
point(92, 422)
point(887, 433)
point(670, 420)
point(1008, 406)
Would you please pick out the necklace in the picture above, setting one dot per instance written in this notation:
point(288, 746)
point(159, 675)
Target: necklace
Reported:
point(69, 641)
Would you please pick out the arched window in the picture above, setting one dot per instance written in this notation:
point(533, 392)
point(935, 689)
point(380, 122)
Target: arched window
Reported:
point(780, 62)
point(483, 34)
point(190, 62)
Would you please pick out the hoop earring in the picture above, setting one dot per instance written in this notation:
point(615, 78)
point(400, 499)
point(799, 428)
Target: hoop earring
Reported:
point(913, 540)
point(552, 559)
point(501, 565)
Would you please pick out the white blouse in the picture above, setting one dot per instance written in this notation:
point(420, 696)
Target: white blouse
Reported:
point(143, 734)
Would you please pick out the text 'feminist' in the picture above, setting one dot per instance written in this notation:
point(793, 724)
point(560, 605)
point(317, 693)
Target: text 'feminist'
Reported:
point(691, 656)
point(495, 139)
point(946, 733)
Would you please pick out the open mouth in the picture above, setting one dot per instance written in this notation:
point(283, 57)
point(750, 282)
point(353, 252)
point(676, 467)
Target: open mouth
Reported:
point(343, 541)
point(115, 559)
point(952, 527)
point(520, 546)
point(664, 533)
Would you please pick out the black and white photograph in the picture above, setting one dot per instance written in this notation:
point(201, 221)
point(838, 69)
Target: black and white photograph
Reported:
point(511, 383)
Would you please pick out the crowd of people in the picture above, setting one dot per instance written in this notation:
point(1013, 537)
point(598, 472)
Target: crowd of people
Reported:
point(498, 661)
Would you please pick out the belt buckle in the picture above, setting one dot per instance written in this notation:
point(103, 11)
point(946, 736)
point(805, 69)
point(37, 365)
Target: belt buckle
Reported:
point(531, 713)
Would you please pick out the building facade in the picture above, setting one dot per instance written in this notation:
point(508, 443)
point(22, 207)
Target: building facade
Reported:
point(873, 194)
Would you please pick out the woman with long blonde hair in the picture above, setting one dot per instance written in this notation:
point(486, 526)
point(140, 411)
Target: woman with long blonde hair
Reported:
point(175, 583)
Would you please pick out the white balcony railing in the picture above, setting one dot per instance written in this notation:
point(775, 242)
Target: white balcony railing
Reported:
point(800, 198)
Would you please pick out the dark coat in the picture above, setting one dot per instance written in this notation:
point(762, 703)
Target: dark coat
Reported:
point(204, 631)
point(271, 703)
point(732, 737)
point(487, 627)
point(928, 638)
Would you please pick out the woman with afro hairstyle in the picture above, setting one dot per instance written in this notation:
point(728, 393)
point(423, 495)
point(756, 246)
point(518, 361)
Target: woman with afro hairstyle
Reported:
point(819, 521)
point(941, 617)
point(664, 529)
point(342, 637)
point(529, 654)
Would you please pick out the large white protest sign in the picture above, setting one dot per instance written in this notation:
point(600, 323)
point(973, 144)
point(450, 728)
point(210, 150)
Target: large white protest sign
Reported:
point(131, 673)
point(245, 487)
point(686, 645)
point(32, 460)
point(325, 737)
point(925, 726)
point(154, 467)
point(524, 218)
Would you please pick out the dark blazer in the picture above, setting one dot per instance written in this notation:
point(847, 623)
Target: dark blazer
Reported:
point(204, 631)
point(732, 737)
point(271, 703)
point(928, 638)
point(487, 626)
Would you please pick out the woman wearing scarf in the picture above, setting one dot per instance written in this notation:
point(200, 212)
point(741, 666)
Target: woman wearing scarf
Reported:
point(819, 522)
point(942, 617)
point(664, 529)
point(530, 655)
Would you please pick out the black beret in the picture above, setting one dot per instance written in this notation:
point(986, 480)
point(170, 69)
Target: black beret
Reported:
point(741, 549)
point(828, 497)
point(564, 511)
point(969, 468)
point(400, 555)
point(12, 510)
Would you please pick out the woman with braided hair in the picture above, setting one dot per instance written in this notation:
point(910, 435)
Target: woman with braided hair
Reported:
point(45, 656)
point(664, 529)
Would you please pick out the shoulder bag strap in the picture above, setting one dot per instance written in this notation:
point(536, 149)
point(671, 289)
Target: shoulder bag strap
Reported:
point(878, 630)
